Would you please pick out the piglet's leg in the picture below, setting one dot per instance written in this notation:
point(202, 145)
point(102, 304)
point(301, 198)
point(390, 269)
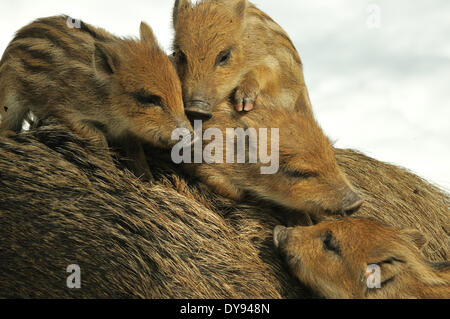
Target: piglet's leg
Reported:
point(261, 79)
point(247, 92)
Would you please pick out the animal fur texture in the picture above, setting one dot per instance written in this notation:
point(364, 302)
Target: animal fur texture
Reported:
point(361, 258)
point(308, 179)
point(171, 239)
point(230, 47)
point(130, 239)
point(118, 92)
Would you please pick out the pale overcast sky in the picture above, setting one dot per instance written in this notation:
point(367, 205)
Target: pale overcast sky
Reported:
point(378, 71)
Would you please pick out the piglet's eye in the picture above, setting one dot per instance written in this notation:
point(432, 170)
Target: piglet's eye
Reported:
point(224, 57)
point(330, 243)
point(299, 174)
point(148, 100)
point(390, 261)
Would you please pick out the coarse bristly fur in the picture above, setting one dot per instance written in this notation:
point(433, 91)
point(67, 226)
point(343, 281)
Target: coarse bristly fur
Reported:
point(224, 48)
point(395, 196)
point(334, 259)
point(386, 189)
point(130, 239)
point(308, 179)
point(44, 206)
point(118, 92)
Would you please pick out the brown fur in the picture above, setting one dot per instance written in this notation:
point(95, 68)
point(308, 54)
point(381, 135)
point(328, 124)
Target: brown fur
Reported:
point(223, 47)
point(393, 195)
point(39, 203)
point(131, 239)
point(308, 180)
point(117, 91)
point(333, 258)
point(397, 197)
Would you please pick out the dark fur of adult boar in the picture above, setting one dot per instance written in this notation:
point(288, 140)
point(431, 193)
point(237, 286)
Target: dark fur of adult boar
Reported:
point(97, 202)
point(63, 203)
point(394, 196)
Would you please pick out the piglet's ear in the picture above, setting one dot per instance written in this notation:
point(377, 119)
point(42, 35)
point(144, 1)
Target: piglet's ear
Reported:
point(241, 7)
point(147, 34)
point(179, 7)
point(106, 60)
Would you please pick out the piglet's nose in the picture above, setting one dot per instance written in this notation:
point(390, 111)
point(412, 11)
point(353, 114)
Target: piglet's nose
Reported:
point(198, 109)
point(352, 203)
